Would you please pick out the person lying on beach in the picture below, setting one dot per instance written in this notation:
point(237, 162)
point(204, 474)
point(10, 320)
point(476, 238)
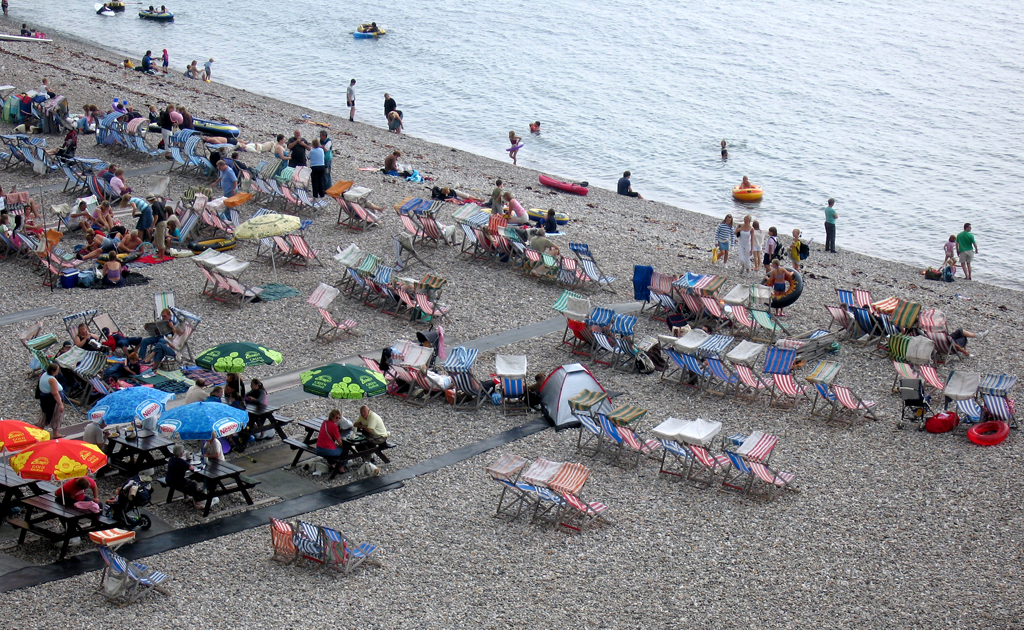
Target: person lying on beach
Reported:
point(960, 337)
point(98, 245)
point(130, 242)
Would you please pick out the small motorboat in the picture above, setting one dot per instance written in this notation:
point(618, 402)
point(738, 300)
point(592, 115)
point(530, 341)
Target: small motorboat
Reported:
point(578, 189)
point(754, 193)
point(214, 128)
point(158, 16)
point(368, 31)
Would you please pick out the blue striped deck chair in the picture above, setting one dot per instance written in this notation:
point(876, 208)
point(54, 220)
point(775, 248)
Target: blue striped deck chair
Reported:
point(722, 379)
point(590, 266)
point(969, 411)
point(715, 345)
point(72, 321)
point(513, 396)
point(738, 477)
point(344, 555)
point(779, 363)
point(470, 246)
point(611, 433)
point(661, 295)
point(699, 377)
point(601, 317)
point(826, 397)
point(998, 408)
point(623, 327)
point(358, 287)
point(675, 459)
point(75, 181)
point(604, 345)
point(591, 431)
point(315, 204)
point(134, 580)
point(461, 358)
point(469, 393)
point(997, 384)
point(868, 327)
point(677, 360)
point(521, 494)
point(846, 298)
point(506, 471)
point(548, 508)
point(308, 539)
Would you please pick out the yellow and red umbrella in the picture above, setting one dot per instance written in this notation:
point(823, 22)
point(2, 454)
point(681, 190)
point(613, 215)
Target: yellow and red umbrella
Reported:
point(57, 460)
point(16, 435)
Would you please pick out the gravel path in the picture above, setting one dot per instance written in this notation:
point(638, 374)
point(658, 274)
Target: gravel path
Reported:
point(889, 528)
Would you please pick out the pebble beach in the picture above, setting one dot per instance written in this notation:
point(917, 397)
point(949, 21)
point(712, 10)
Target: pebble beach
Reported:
point(888, 528)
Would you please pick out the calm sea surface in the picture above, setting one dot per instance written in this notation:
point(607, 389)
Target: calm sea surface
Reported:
point(909, 115)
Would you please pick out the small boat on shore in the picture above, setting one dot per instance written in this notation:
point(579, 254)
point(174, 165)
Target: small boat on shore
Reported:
point(19, 38)
point(214, 128)
point(368, 31)
point(157, 16)
point(754, 193)
point(569, 187)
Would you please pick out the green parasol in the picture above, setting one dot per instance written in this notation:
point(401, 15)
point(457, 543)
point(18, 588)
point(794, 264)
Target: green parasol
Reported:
point(234, 357)
point(339, 380)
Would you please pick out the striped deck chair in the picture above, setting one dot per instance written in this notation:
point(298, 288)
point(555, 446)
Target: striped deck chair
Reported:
point(590, 266)
point(661, 295)
point(513, 396)
point(932, 378)
point(604, 345)
point(622, 327)
point(677, 361)
point(742, 321)
point(303, 252)
point(867, 325)
point(364, 219)
point(779, 363)
point(506, 471)
point(772, 480)
point(124, 582)
point(672, 453)
point(738, 476)
point(705, 467)
point(699, 377)
point(584, 343)
point(600, 317)
point(841, 317)
point(862, 299)
point(302, 196)
point(611, 433)
point(434, 310)
point(887, 306)
point(770, 325)
point(721, 380)
point(997, 384)
point(433, 231)
point(713, 311)
point(578, 514)
point(470, 247)
point(1000, 408)
point(633, 445)
point(714, 346)
point(932, 319)
point(429, 392)
point(590, 432)
point(945, 349)
point(827, 398)
point(308, 539)
point(345, 555)
point(329, 329)
point(412, 229)
point(851, 402)
point(570, 275)
point(469, 393)
point(281, 535)
point(906, 314)
point(405, 302)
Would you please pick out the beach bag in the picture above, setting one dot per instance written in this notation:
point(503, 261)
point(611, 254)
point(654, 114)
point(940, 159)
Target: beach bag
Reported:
point(941, 422)
point(12, 110)
point(714, 254)
point(644, 364)
point(86, 277)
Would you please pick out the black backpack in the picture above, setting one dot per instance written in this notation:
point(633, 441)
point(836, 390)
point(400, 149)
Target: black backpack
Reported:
point(805, 251)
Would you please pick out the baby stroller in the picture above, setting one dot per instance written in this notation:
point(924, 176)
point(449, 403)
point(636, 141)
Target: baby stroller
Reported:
point(124, 506)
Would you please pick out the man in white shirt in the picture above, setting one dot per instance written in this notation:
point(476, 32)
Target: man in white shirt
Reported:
point(350, 96)
point(196, 393)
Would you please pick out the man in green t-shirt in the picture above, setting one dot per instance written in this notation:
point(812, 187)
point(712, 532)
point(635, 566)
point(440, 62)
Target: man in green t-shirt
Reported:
point(830, 226)
point(966, 247)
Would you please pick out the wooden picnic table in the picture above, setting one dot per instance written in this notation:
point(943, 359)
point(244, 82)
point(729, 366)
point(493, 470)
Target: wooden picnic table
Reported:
point(262, 418)
point(131, 455)
point(42, 508)
point(15, 487)
point(355, 445)
point(221, 479)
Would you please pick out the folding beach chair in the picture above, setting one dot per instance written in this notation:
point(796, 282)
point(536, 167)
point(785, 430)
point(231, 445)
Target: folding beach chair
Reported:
point(611, 433)
point(705, 467)
point(342, 554)
point(868, 325)
point(932, 378)
point(852, 403)
point(590, 432)
point(506, 471)
point(162, 300)
point(904, 317)
point(124, 582)
point(779, 364)
point(401, 244)
point(304, 254)
point(434, 310)
point(676, 459)
point(590, 266)
point(840, 317)
point(329, 329)
point(308, 539)
point(742, 320)
point(772, 481)
point(281, 541)
point(945, 349)
point(469, 392)
point(635, 445)
point(661, 295)
point(577, 514)
point(770, 325)
point(622, 327)
point(738, 476)
point(511, 371)
point(721, 379)
point(698, 376)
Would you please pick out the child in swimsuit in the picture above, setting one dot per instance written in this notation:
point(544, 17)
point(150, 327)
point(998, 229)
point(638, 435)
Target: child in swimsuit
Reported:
point(515, 140)
point(778, 280)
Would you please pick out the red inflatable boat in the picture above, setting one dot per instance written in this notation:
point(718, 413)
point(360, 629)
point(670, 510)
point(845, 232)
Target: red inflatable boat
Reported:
point(567, 187)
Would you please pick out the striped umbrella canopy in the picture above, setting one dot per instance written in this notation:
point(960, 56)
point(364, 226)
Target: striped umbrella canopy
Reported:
point(198, 421)
point(131, 405)
point(236, 356)
point(16, 435)
point(57, 460)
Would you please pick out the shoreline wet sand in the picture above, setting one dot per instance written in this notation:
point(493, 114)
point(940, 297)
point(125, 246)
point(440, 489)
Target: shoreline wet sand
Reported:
point(897, 528)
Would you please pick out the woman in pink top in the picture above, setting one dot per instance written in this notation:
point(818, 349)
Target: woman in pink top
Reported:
point(517, 215)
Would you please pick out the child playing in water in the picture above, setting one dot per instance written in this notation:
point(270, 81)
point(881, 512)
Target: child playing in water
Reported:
point(778, 279)
point(515, 140)
point(535, 126)
point(949, 249)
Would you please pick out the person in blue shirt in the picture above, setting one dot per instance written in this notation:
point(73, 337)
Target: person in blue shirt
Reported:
point(228, 180)
point(316, 159)
point(215, 395)
point(830, 226)
point(147, 62)
point(625, 188)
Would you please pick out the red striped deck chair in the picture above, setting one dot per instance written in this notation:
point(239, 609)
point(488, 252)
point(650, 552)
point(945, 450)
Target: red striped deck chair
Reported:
point(496, 225)
point(584, 343)
point(364, 218)
point(486, 244)
point(841, 317)
point(741, 318)
point(713, 309)
point(637, 447)
point(430, 390)
point(773, 481)
point(578, 514)
point(406, 303)
point(435, 311)
point(856, 407)
point(945, 349)
point(661, 290)
point(329, 329)
point(290, 199)
point(931, 376)
point(758, 447)
point(706, 467)
point(932, 319)
point(284, 249)
point(346, 216)
point(412, 229)
point(540, 472)
point(303, 252)
point(862, 299)
point(569, 479)
point(694, 305)
point(470, 246)
point(886, 306)
point(432, 231)
point(750, 386)
point(281, 535)
point(506, 471)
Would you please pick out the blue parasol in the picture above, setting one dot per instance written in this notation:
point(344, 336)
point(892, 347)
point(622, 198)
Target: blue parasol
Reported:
point(198, 421)
point(130, 405)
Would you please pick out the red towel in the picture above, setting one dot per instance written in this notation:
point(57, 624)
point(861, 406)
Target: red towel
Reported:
point(150, 259)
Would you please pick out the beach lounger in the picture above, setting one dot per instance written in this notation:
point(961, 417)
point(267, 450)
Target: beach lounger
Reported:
point(123, 582)
point(590, 266)
point(636, 446)
point(577, 514)
point(308, 539)
point(853, 404)
point(766, 483)
point(779, 364)
point(705, 467)
point(769, 324)
point(329, 328)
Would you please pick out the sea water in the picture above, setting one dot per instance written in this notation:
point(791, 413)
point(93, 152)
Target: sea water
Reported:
point(908, 114)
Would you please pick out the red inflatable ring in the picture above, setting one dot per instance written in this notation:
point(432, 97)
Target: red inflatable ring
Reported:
point(982, 434)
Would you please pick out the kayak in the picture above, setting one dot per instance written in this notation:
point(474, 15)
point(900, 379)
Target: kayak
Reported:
point(214, 128)
point(754, 193)
point(19, 38)
point(157, 16)
point(577, 189)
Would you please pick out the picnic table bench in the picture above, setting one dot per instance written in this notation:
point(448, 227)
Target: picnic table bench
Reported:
point(42, 508)
point(261, 419)
point(131, 455)
point(15, 487)
point(219, 479)
point(354, 446)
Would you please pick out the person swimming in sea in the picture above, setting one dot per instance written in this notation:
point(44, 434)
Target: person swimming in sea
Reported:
point(535, 126)
point(725, 152)
point(746, 183)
